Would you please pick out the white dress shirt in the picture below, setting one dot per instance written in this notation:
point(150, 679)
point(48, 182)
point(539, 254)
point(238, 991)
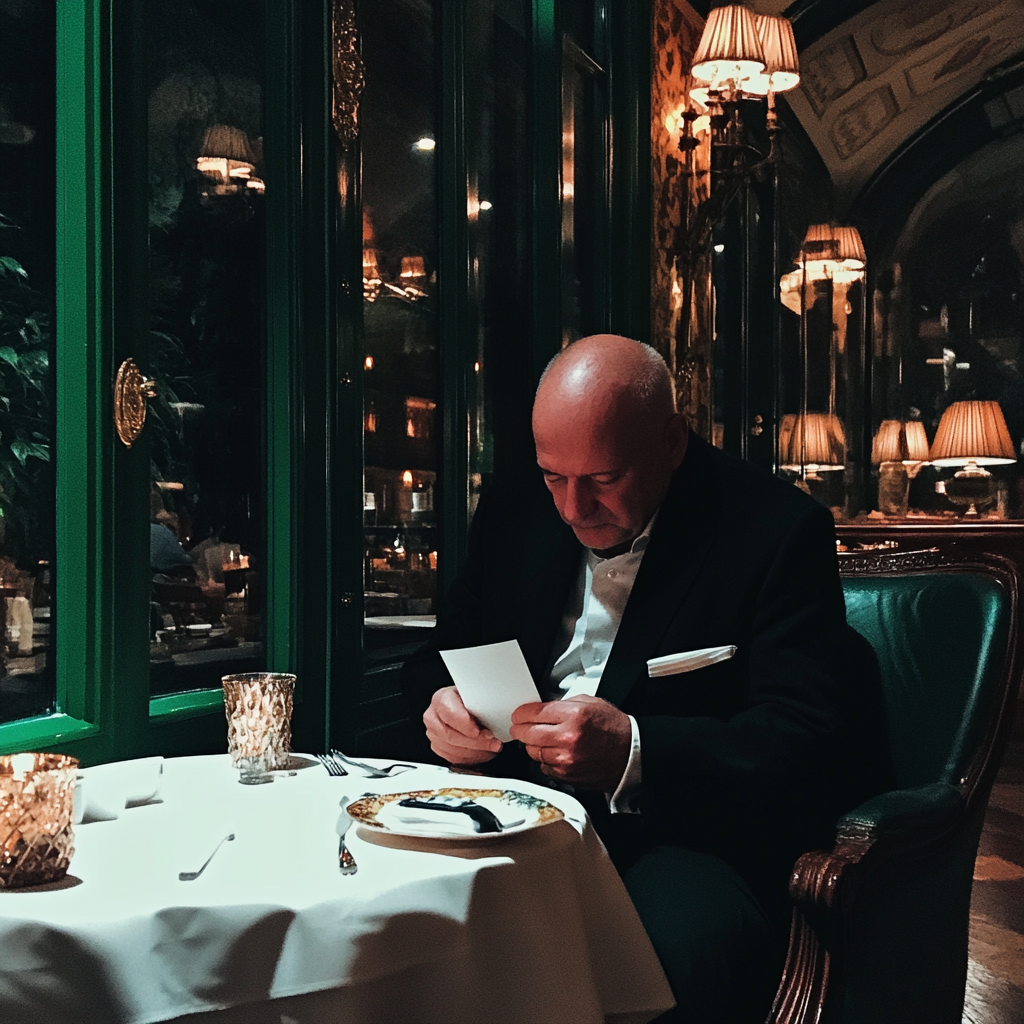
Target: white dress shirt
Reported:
point(584, 641)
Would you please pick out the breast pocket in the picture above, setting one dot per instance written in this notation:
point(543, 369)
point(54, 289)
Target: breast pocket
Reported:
point(717, 691)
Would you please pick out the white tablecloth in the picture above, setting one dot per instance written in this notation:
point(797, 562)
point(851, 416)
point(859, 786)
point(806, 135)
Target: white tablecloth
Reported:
point(528, 928)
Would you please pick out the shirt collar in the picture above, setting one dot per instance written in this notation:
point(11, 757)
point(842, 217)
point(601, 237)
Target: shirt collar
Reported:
point(636, 548)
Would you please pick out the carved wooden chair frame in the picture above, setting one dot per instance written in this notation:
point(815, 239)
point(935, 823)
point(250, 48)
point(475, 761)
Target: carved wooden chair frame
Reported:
point(824, 883)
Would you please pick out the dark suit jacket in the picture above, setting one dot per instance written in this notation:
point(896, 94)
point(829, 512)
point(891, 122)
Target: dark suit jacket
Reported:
point(752, 759)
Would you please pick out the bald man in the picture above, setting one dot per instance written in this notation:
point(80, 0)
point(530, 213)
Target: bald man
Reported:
point(633, 539)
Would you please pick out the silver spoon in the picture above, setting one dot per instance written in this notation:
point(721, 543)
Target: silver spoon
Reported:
point(191, 876)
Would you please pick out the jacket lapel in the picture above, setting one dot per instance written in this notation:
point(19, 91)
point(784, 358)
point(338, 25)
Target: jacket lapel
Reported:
point(679, 545)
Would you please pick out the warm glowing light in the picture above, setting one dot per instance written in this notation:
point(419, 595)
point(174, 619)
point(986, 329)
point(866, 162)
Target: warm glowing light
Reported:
point(476, 367)
point(485, 204)
point(781, 63)
point(425, 145)
point(730, 47)
point(226, 154)
point(368, 363)
point(407, 478)
point(413, 266)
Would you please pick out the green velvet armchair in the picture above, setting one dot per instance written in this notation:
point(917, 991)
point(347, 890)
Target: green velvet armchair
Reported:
point(880, 921)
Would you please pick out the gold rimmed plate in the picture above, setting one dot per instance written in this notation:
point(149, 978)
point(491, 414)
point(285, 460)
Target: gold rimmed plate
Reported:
point(517, 812)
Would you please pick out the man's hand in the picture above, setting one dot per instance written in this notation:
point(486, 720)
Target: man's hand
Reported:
point(454, 733)
point(582, 740)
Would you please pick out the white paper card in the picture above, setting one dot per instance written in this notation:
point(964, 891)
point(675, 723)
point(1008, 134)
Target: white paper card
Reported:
point(492, 681)
point(688, 661)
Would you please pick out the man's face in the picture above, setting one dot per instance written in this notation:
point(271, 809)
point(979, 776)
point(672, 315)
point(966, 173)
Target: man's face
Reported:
point(605, 475)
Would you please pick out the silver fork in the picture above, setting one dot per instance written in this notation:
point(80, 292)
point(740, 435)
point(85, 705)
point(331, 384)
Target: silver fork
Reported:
point(346, 862)
point(332, 766)
point(371, 772)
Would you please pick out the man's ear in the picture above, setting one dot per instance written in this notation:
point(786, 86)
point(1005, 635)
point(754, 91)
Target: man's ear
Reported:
point(677, 433)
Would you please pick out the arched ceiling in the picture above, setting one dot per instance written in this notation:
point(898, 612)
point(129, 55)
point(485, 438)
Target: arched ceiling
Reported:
point(877, 79)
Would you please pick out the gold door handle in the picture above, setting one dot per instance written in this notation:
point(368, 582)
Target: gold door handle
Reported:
point(131, 389)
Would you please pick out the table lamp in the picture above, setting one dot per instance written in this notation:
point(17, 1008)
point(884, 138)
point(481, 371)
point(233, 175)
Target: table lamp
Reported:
point(972, 435)
point(899, 449)
point(811, 443)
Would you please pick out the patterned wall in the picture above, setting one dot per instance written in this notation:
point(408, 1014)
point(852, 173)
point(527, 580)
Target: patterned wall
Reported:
point(681, 302)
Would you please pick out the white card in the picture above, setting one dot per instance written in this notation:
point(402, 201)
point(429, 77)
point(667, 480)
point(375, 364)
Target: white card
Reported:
point(492, 681)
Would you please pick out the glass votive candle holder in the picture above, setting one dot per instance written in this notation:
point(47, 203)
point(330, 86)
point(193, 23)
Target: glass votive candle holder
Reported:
point(258, 708)
point(37, 839)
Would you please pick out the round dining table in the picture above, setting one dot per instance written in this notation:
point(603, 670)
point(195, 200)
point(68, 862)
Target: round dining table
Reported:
point(528, 927)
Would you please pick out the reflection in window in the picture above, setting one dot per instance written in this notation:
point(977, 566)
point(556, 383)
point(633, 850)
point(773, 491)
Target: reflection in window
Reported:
point(207, 514)
point(419, 417)
point(27, 429)
point(400, 361)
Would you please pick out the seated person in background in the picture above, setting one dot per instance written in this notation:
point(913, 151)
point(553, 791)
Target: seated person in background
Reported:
point(166, 555)
point(633, 538)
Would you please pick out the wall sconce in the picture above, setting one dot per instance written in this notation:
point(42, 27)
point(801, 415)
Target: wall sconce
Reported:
point(227, 159)
point(972, 435)
point(740, 56)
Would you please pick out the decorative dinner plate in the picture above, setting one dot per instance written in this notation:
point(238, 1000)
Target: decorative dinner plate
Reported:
point(517, 812)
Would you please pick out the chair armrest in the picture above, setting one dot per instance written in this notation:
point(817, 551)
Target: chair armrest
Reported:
point(903, 815)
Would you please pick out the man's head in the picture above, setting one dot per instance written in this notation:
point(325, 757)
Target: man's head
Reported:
point(608, 437)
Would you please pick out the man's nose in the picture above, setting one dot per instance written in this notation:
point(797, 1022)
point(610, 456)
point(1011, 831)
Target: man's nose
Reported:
point(579, 501)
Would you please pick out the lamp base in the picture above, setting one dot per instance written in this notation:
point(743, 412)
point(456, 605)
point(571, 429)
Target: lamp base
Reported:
point(972, 489)
point(893, 489)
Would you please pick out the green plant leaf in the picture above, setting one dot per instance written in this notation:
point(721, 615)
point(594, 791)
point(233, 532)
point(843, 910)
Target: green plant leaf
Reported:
point(23, 450)
point(8, 355)
point(13, 266)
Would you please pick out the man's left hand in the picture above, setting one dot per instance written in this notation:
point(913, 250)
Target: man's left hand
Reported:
point(582, 740)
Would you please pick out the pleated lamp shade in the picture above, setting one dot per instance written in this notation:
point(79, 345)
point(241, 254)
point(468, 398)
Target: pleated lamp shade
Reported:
point(972, 432)
point(813, 440)
point(413, 266)
point(900, 441)
point(851, 252)
point(226, 153)
point(781, 63)
point(830, 249)
point(730, 47)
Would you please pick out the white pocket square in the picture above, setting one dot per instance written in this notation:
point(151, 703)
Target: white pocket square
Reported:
point(688, 661)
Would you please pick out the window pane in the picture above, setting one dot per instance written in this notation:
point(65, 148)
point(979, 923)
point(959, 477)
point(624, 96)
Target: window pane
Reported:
point(498, 146)
point(207, 507)
point(401, 421)
point(27, 282)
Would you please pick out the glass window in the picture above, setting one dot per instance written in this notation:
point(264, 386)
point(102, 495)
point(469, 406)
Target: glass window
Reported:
point(27, 289)
point(207, 502)
point(402, 429)
point(499, 368)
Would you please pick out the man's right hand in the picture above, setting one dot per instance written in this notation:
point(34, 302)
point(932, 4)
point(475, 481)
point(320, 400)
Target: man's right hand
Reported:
point(454, 733)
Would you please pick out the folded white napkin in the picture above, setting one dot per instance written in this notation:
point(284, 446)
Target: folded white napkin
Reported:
point(688, 661)
point(105, 790)
point(424, 821)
